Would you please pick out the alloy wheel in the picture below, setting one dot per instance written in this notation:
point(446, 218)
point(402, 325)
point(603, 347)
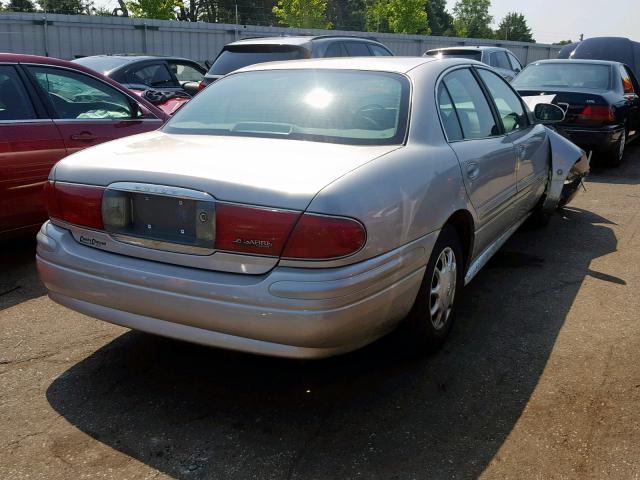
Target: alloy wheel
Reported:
point(443, 288)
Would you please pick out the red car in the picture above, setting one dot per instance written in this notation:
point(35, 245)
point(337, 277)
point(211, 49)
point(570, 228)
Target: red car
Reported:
point(49, 109)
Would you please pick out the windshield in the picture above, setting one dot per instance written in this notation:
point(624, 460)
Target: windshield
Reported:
point(565, 75)
point(235, 57)
point(456, 54)
point(333, 106)
point(101, 64)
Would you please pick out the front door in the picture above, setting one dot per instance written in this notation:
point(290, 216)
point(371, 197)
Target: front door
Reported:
point(86, 110)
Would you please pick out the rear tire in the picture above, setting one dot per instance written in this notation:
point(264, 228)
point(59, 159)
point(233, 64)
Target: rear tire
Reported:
point(614, 156)
point(431, 318)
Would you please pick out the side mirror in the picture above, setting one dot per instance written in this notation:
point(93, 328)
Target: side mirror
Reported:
point(546, 113)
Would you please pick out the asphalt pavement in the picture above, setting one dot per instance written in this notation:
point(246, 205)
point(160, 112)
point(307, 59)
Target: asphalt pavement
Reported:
point(540, 378)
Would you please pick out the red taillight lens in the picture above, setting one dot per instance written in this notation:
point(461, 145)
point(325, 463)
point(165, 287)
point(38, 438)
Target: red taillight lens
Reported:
point(597, 113)
point(322, 237)
point(201, 85)
point(253, 229)
point(76, 204)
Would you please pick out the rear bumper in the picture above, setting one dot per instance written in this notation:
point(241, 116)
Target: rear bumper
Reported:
point(599, 140)
point(289, 312)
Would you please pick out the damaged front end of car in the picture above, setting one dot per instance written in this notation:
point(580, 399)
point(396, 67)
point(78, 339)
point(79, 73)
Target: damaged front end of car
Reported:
point(569, 166)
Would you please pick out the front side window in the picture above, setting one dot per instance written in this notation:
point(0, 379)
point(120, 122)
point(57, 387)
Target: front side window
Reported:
point(185, 72)
point(502, 60)
point(14, 101)
point(515, 63)
point(156, 75)
point(335, 50)
point(563, 74)
point(78, 96)
point(507, 102)
point(333, 106)
point(474, 113)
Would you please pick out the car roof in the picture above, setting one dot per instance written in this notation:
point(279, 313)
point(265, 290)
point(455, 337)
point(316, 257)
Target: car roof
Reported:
point(400, 65)
point(297, 40)
point(133, 57)
point(576, 60)
point(471, 48)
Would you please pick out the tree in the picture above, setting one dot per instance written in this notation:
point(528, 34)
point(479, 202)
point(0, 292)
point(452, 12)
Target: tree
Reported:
point(564, 42)
point(397, 16)
point(20, 6)
point(347, 14)
point(302, 13)
point(440, 21)
point(69, 7)
point(158, 9)
point(472, 19)
point(514, 27)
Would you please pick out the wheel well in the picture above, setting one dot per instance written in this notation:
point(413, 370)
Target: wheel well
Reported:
point(462, 221)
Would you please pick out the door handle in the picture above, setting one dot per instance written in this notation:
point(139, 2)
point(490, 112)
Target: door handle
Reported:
point(84, 136)
point(473, 170)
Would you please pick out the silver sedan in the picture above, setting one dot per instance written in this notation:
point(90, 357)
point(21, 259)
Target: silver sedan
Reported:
point(306, 209)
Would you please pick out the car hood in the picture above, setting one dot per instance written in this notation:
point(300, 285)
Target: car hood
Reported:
point(272, 172)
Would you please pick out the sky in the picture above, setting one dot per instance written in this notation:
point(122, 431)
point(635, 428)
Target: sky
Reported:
point(555, 20)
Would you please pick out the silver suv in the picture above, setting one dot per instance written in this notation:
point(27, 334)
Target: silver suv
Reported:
point(505, 62)
point(270, 49)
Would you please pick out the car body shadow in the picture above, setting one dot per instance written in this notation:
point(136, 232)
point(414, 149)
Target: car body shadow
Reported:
point(627, 173)
point(196, 412)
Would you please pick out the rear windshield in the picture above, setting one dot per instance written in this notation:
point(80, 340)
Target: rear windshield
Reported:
point(333, 106)
point(101, 64)
point(235, 57)
point(456, 54)
point(569, 75)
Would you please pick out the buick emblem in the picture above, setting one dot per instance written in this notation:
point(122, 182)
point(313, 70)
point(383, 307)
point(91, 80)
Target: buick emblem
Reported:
point(203, 217)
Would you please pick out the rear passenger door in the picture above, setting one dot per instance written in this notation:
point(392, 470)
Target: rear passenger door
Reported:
point(86, 110)
point(485, 154)
point(529, 140)
point(29, 146)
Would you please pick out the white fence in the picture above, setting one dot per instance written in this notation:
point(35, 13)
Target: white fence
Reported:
point(73, 36)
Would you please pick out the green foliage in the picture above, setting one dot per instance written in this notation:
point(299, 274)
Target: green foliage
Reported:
point(514, 27)
point(440, 20)
point(347, 14)
point(472, 19)
point(302, 13)
point(563, 42)
point(397, 16)
point(18, 6)
point(70, 7)
point(158, 9)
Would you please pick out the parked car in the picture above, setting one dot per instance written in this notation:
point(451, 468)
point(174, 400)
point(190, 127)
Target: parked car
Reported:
point(144, 72)
point(600, 100)
point(505, 62)
point(49, 109)
point(616, 49)
point(269, 49)
point(344, 195)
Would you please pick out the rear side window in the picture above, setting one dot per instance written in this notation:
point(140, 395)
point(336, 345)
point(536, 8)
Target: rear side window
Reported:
point(185, 72)
point(448, 115)
point(508, 104)
point(335, 50)
point(156, 75)
point(502, 60)
point(474, 113)
point(78, 96)
point(355, 49)
point(235, 57)
point(564, 74)
point(627, 84)
point(14, 101)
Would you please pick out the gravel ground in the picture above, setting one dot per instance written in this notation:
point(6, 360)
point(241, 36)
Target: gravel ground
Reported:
point(540, 378)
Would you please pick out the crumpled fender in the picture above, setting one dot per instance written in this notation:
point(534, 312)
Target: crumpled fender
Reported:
point(569, 165)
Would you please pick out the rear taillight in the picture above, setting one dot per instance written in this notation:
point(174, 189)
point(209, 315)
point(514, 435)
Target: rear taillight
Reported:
point(201, 85)
point(76, 204)
point(318, 237)
point(252, 229)
point(597, 114)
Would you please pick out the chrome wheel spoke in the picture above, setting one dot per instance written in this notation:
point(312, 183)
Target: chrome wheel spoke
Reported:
point(443, 287)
